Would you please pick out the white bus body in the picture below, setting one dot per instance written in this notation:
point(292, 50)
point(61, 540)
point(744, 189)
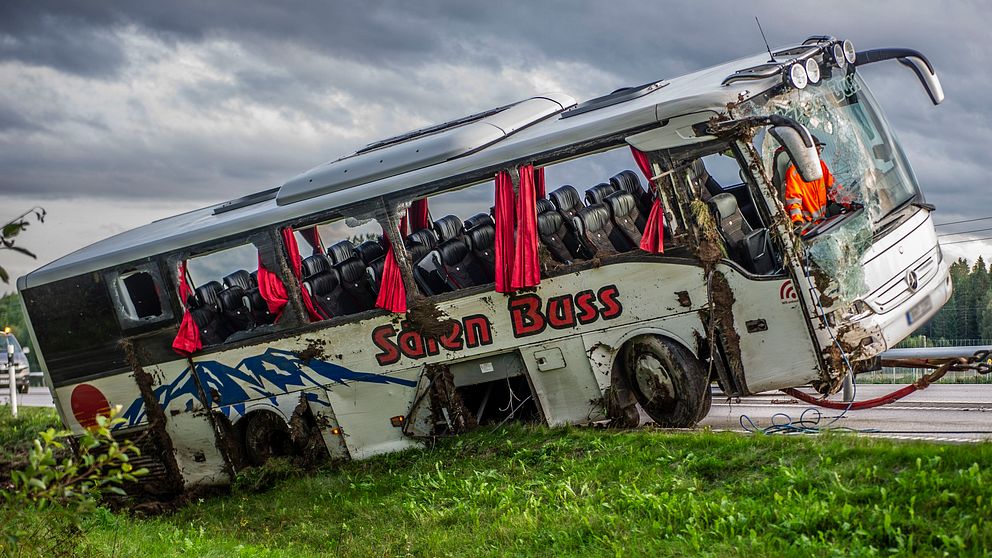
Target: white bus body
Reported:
point(597, 337)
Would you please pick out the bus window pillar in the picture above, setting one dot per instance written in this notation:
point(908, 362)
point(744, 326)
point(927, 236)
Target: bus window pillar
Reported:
point(279, 255)
point(389, 219)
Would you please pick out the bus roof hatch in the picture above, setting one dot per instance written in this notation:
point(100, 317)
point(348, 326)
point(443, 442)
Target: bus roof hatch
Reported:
point(421, 148)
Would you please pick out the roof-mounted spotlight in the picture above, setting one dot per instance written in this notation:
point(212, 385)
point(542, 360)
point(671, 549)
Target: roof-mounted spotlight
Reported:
point(837, 55)
point(849, 53)
point(797, 75)
point(812, 71)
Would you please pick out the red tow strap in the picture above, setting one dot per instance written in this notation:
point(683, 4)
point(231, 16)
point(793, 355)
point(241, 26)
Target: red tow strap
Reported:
point(857, 405)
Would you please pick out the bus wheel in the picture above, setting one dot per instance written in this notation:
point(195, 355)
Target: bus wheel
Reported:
point(667, 380)
point(266, 435)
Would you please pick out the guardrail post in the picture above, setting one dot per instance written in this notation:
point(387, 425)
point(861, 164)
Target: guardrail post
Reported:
point(11, 379)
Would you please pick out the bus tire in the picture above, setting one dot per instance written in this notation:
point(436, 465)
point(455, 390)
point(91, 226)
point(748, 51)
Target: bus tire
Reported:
point(265, 435)
point(668, 381)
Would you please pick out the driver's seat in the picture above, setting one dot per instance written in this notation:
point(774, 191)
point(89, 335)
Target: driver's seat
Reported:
point(781, 164)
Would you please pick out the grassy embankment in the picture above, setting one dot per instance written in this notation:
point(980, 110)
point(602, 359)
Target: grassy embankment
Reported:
point(541, 492)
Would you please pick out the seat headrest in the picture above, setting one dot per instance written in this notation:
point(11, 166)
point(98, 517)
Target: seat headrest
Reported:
point(352, 270)
point(254, 278)
point(416, 252)
point(549, 223)
point(312, 265)
point(596, 194)
point(207, 293)
point(544, 205)
point(230, 298)
point(453, 251)
point(725, 204)
point(239, 278)
point(477, 220)
point(593, 217)
point(341, 251)
point(628, 181)
point(370, 251)
point(448, 227)
point(425, 237)
point(621, 203)
point(323, 284)
point(482, 237)
point(565, 199)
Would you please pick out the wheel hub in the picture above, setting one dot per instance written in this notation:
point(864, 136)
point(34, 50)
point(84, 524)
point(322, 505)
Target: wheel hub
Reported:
point(653, 379)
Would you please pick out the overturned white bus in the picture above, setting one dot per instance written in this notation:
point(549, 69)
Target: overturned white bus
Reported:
point(225, 342)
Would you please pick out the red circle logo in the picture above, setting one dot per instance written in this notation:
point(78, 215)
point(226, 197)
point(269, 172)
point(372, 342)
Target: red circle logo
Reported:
point(87, 403)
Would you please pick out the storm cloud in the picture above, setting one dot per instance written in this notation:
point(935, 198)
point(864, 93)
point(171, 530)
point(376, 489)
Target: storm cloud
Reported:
point(195, 102)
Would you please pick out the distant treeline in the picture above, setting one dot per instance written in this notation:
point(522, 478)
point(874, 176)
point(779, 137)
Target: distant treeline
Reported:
point(968, 315)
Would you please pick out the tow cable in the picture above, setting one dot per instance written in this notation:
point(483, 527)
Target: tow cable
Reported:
point(944, 366)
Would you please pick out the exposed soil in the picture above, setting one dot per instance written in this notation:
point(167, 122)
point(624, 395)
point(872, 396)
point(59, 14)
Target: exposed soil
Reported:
point(447, 406)
point(313, 350)
point(425, 317)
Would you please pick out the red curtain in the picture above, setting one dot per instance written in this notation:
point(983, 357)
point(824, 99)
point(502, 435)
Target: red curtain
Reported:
point(312, 237)
point(526, 269)
point(504, 232)
point(187, 340)
point(392, 292)
point(296, 265)
point(653, 239)
point(271, 289)
point(539, 183)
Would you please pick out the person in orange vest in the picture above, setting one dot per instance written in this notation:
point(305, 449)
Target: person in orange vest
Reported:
point(811, 202)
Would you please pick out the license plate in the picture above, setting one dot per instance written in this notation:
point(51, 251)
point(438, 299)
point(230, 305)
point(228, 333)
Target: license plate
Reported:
point(918, 311)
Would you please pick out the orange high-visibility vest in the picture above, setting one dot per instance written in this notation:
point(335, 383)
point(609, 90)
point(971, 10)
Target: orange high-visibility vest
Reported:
point(806, 202)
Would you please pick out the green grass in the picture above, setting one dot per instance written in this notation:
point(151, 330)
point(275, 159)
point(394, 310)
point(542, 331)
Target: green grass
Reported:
point(585, 492)
point(18, 434)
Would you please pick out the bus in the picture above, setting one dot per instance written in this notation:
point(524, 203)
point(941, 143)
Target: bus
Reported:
point(455, 275)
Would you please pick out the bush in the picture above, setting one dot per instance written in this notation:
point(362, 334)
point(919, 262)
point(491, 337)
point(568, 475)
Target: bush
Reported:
point(49, 498)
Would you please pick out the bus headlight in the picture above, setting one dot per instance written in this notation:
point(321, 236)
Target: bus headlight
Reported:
point(812, 71)
point(797, 76)
point(837, 53)
point(849, 54)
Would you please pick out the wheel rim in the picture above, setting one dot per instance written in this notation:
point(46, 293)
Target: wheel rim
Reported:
point(653, 380)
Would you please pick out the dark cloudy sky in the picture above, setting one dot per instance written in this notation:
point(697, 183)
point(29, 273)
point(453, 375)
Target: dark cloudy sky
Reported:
point(116, 113)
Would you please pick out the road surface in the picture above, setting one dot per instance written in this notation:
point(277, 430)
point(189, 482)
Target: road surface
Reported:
point(946, 412)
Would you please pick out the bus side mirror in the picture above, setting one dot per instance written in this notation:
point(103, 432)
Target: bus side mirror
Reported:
point(798, 144)
point(912, 59)
point(790, 134)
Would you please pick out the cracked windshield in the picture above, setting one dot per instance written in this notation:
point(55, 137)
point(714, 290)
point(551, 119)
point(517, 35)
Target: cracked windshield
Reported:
point(873, 179)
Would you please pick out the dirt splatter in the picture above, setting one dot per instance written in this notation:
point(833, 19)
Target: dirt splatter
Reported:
point(171, 483)
point(447, 407)
point(426, 318)
point(314, 350)
point(683, 298)
point(722, 301)
point(620, 407)
point(304, 430)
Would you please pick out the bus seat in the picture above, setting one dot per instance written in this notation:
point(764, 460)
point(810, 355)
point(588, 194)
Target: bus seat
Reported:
point(628, 181)
point(482, 239)
point(357, 291)
point(544, 206)
point(729, 218)
point(429, 274)
point(340, 251)
point(326, 293)
point(781, 164)
point(313, 265)
point(239, 278)
point(461, 268)
point(623, 210)
point(206, 294)
point(258, 308)
point(551, 230)
point(448, 227)
point(597, 231)
point(234, 307)
point(566, 201)
point(211, 323)
point(478, 220)
point(373, 255)
point(597, 193)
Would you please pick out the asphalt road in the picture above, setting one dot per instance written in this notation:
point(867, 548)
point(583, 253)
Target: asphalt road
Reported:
point(946, 412)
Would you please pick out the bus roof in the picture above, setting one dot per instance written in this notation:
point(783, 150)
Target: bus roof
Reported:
point(537, 125)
